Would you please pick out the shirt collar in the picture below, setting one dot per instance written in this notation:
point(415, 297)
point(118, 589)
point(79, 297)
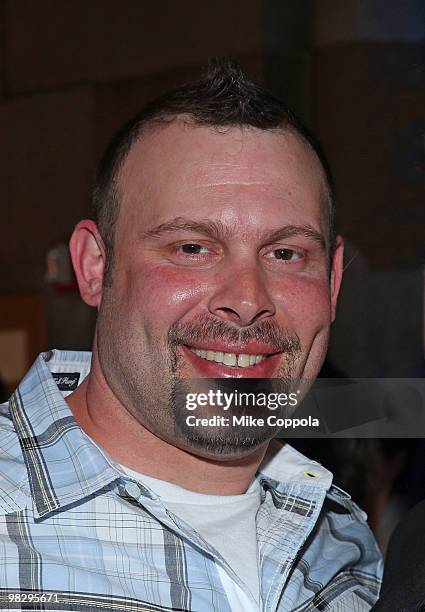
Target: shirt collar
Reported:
point(65, 466)
point(284, 465)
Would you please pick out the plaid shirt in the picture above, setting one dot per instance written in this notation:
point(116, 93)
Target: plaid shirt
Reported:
point(77, 534)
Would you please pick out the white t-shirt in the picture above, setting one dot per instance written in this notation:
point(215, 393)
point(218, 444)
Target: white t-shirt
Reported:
point(227, 522)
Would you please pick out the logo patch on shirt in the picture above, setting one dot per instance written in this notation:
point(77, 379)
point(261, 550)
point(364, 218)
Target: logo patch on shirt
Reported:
point(66, 381)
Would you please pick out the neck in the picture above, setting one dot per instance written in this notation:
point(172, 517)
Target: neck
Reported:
point(104, 419)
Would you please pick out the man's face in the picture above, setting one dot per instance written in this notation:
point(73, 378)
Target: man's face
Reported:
point(220, 270)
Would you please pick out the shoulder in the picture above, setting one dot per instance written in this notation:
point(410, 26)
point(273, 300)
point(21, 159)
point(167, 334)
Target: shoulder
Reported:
point(343, 525)
point(342, 553)
point(9, 441)
point(340, 502)
point(340, 558)
point(14, 487)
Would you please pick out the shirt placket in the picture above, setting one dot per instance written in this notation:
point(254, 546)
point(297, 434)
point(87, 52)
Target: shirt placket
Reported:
point(148, 500)
point(291, 515)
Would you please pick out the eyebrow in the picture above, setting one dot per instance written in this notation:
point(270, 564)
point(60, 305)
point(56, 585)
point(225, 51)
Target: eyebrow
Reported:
point(290, 231)
point(218, 231)
point(215, 229)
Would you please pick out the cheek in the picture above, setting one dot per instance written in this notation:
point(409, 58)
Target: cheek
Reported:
point(166, 292)
point(305, 302)
point(178, 287)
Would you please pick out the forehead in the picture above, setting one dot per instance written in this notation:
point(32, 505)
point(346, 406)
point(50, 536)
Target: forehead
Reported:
point(244, 177)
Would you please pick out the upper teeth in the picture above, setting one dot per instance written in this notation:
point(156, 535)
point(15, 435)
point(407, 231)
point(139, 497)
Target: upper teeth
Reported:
point(243, 360)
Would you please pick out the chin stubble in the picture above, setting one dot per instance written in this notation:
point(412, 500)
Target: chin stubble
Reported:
point(234, 439)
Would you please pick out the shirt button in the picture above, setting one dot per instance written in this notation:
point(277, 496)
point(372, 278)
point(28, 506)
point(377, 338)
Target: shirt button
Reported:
point(132, 489)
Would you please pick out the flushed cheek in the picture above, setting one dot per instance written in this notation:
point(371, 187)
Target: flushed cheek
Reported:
point(169, 290)
point(306, 304)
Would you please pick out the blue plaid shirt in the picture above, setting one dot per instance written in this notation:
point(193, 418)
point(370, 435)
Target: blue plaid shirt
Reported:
point(77, 534)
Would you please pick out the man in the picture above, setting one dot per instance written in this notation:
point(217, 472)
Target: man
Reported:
point(403, 586)
point(212, 257)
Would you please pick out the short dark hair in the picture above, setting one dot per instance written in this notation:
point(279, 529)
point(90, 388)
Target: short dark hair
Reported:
point(222, 97)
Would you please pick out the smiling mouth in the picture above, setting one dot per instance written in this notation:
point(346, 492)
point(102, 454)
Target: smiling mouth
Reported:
point(235, 360)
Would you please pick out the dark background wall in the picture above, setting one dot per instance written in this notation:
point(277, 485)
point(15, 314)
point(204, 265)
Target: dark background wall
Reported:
point(71, 73)
point(369, 100)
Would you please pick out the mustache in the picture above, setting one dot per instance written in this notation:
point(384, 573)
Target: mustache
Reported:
point(206, 328)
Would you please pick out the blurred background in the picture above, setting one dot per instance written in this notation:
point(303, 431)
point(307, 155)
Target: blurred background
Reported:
point(72, 72)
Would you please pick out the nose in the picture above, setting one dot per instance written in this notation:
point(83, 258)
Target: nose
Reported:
point(242, 297)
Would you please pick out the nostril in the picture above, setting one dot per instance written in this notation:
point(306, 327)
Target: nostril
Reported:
point(230, 313)
point(229, 310)
point(243, 319)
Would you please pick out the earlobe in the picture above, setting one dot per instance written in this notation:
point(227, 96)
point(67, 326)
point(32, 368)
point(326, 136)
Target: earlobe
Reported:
point(88, 258)
point(336, 273)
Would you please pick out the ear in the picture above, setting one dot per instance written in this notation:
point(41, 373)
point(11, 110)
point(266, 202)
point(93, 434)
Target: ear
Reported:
point(337, 268)
point(88, 258)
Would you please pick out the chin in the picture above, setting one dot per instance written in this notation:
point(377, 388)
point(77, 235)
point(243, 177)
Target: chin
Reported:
point(230, 456)
point(229, 446)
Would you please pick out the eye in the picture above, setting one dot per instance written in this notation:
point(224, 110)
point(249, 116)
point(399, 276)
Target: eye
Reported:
point(191, 248)
point(193, 253)
point(285, 254)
